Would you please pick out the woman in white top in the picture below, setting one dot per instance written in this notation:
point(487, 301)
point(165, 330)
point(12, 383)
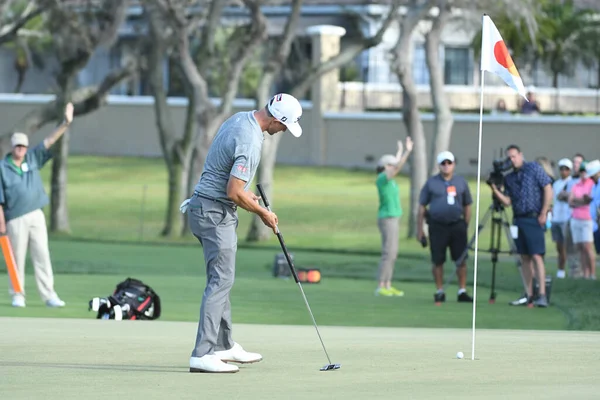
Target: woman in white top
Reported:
point(561, 212)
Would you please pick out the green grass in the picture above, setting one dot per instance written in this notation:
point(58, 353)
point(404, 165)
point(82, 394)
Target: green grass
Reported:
point(85, 270)
point(79, 359)
point(318, 208)
point(75, 359)
point(328, 217)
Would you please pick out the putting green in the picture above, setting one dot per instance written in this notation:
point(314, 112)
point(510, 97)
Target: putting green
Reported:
point(95, 359)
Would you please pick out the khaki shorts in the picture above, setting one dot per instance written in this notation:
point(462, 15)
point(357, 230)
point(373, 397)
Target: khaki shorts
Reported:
point(582, 230)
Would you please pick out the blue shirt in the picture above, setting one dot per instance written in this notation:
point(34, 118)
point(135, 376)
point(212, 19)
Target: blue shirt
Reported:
point(21, 189)
point(446, 199)
point(235, 150)
point(525, 187)
point(595, 205)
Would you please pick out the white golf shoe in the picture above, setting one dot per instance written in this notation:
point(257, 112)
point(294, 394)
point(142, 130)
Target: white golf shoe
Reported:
point(211, 363)
point(239, 355)
point(55, 303)
point(18, 301)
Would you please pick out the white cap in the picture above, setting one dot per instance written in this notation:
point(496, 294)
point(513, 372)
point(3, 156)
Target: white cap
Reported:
point(592, 168)
point(445, 155)
point(19, 139)
point(287, 109)
point(387, 159)
point(565, 162)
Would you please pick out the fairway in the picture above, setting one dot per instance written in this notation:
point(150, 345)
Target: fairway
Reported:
point(96, 359)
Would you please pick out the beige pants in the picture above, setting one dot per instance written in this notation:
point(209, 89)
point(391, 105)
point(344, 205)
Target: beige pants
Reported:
point(390, 233)
point(29, 230)
point(573, 255)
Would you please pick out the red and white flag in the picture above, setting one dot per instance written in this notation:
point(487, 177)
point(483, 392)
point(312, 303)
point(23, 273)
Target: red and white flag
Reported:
point(495, 57)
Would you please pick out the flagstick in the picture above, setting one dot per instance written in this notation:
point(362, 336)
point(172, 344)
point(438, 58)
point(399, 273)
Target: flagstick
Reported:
point(477, 214)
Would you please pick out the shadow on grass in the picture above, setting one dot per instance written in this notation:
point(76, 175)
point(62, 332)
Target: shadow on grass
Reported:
point(108, 367)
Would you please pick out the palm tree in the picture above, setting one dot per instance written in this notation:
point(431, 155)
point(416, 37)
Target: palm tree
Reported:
point(561, 36)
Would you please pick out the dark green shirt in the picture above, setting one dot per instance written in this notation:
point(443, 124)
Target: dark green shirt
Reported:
point(21, 189)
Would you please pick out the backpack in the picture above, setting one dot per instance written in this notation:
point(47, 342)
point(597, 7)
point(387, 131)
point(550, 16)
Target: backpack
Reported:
point(132, 299)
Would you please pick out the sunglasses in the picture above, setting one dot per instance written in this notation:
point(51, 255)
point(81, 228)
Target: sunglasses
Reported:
point(447, 162)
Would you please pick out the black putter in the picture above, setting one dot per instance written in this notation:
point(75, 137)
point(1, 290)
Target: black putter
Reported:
point(330, 366)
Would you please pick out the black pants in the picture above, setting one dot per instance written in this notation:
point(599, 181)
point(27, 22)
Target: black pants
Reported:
point(444, 236)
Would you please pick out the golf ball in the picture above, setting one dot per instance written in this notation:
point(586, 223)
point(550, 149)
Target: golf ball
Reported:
point(459, 355)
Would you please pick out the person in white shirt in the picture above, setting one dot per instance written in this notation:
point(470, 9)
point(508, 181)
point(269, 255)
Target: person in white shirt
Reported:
point(561, 212)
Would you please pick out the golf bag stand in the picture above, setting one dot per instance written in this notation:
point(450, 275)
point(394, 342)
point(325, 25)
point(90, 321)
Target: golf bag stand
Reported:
point(500, 225)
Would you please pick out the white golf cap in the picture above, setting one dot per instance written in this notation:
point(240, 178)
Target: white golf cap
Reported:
point(592, 168)
point(565, 162)
point(287, 109)
point(445, 155)
point(19, 139)
point(387, 159)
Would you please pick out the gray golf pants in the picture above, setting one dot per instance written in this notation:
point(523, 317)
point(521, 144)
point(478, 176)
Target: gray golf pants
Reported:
point(215, 224)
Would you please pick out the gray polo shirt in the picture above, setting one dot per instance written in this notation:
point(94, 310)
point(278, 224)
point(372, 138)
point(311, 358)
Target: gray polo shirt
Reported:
point(21, 189)
point(446, 199)
point(235, 150)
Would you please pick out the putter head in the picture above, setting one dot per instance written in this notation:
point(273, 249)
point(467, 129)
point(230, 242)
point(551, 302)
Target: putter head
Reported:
point(331, 367)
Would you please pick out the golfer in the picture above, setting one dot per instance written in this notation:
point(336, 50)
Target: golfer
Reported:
point(22, 198)
point(230, 166)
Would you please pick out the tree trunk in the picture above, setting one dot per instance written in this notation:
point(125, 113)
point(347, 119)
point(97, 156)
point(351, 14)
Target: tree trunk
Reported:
point(443, 123)
point(205, 136)
point(175, 170)
point(207, 128)
point(59, 212)
point(412, 119)
point(258, 230)
point(59, 215)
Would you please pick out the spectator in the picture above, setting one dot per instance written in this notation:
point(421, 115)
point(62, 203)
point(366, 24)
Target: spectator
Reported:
point(22, 198)
point(577, 161)
point(547, 166)
point(449, 201)
point(572, 253)
point(529, 192)
point(561, 213)
point(531, 106)
point(582, 227)
point(388, 216)
point(500, 108)
point(593, 170)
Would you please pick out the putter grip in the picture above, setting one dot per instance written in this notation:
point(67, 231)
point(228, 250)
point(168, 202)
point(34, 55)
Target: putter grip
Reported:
point(263, 196)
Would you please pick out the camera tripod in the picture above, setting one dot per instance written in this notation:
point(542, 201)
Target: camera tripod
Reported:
point(500, 223)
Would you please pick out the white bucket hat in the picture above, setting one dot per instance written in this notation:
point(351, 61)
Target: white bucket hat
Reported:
point(592, 168)
point(387, 159)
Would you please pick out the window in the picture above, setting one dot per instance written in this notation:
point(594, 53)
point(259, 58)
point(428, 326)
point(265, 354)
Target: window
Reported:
point(457, 66)
point(420, 71)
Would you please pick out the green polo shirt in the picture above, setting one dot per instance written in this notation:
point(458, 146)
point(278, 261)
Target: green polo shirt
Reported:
point(389, 197)
point(21, 189)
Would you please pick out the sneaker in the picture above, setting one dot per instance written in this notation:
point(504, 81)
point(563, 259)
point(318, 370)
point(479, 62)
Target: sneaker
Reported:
point(55, 302)
point(464, 298)
point(541, 301)
point(439, 297)
point(238, 354)
point(18, 301)
point(524, 300)
point(211, 363)
point(383, 292)
point(560, 274)
point(396, 292)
